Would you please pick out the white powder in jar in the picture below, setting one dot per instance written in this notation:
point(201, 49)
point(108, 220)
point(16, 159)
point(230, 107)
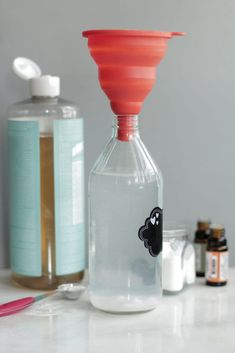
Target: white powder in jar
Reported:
point(178, 260)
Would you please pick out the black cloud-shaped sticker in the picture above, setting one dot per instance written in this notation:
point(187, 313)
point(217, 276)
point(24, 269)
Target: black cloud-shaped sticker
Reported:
point(151, 232)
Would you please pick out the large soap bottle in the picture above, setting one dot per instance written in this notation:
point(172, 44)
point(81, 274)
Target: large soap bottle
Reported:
point(46, 184)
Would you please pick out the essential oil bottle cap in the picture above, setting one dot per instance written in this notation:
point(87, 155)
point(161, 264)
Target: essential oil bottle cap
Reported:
point(217, 231)
point(40, 86)
point(217, 238)
point(203, 224)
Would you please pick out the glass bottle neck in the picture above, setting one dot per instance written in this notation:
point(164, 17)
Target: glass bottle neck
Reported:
point(126, 127)
point(41, 99)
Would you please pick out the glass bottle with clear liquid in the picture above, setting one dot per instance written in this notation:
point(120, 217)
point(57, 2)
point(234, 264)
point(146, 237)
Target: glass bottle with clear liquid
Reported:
point(125, 196)
point(125, 186)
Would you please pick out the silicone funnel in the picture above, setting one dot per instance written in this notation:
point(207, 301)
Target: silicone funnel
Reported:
point(127, 61)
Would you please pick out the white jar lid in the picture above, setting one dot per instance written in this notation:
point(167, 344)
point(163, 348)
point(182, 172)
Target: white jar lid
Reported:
point(175, 232)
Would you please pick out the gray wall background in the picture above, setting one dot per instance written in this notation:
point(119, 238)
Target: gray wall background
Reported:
point(188, 121)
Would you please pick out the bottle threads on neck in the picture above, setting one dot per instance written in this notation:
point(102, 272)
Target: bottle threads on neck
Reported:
point(127, 127)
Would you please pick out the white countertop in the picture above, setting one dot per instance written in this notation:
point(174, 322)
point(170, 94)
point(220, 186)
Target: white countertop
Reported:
point(200, 319)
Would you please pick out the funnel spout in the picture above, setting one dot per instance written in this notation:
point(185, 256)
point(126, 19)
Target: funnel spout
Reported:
point(127, 127)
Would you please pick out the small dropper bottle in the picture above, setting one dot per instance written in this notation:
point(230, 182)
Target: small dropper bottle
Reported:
point(200, 244)
point(217, 257)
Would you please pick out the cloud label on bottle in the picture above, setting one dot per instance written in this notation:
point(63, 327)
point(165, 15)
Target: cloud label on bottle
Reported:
point(151, 232)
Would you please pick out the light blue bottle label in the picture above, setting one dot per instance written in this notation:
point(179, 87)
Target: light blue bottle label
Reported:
point(69, 196)
point(24, 174)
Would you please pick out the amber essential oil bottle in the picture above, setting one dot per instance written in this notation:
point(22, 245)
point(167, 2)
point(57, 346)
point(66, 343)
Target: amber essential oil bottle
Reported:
point(217, 257)
point(200, 244)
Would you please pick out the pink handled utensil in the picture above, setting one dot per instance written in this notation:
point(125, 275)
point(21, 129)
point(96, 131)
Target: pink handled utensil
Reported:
point(14, 306)
point(71, 291)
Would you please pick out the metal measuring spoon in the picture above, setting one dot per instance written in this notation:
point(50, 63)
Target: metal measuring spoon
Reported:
point(71, 291)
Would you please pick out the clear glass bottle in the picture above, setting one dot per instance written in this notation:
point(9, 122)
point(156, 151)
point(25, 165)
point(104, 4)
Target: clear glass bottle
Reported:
point(125, 186)
point(46, 185)
point(125, 194)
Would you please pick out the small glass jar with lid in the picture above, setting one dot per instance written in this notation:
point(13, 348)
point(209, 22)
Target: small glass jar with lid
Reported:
point(178, 259)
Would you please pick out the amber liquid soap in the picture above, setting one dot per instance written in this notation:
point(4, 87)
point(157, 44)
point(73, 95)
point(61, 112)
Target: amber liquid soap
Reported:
point(49, 279)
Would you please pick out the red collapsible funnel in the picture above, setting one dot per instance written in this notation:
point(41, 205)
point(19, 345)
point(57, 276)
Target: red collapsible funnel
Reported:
point(127, 61)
